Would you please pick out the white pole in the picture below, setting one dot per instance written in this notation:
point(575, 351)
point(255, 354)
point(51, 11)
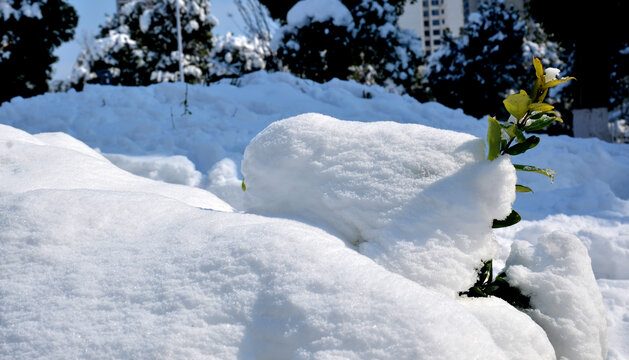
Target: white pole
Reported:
point(179, 42)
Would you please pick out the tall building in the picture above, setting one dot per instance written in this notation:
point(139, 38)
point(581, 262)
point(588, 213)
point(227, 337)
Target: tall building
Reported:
point(430, 18)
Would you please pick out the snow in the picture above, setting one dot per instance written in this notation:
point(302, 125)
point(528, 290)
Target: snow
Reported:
point(556, 274)
point(102, 262)
point(380, 186)
point(306, 11)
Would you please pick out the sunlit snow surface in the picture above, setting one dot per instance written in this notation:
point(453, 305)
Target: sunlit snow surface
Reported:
point(98, 261)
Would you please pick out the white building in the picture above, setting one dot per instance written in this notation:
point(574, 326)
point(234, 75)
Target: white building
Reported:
point(430, 18)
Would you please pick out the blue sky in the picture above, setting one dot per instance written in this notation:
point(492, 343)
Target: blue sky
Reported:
point(92, 14)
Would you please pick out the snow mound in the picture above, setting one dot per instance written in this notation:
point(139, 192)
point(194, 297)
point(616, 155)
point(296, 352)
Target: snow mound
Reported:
point(567, 303)
point(418, 200)
point(90, 265)
point(76, 166)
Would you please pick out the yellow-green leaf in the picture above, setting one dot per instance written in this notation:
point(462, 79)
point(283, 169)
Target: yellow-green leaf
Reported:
point(539, 69)
point(540, 106)
point(243, 186)
point(517, 104)
point(522, 188)
point(556, 82)
point(494, 133)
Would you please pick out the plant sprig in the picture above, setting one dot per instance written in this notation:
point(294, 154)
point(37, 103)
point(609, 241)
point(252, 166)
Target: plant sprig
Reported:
point(528, 113)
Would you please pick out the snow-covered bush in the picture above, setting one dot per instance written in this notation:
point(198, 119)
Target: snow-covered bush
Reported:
point(234, 56)
point(349, 40)
point(30, 30)
point(138, 45)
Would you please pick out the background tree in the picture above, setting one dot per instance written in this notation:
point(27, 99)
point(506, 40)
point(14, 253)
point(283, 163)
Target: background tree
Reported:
point(30, 30)
point(352, 39)
point(475, 71)
point(138, 45)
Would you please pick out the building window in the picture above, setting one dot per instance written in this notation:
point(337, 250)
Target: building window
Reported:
point(437, 42)
point(435, 22)
point(443, 21)
point(426, 24)
point(443, 11)
point(434, 2)
point(425, 4)
point(427, 42)
point(434, 12)
point(426, 33)
point(426, 13)
point(427, 52)
point(436, 32)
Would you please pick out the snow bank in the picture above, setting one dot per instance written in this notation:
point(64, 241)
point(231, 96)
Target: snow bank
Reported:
point(557, 275)
point(90, 265)
point(27, 162)
point(418, 200)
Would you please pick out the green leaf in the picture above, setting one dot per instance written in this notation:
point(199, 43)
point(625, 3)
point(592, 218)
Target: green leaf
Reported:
point(493, 138)
point(511, 219)
point(529, 143)
point(517, 104)
point(522, 188)
point(539, 124)
point(243, 186)
point(548, 172)
point(540, 106)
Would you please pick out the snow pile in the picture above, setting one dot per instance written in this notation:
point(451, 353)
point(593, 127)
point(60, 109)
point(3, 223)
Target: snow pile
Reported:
point(565, 299)
point(128, 273)
point(172, 169)
point(418, 200)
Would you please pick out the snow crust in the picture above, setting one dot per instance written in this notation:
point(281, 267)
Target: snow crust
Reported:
point(418, 200)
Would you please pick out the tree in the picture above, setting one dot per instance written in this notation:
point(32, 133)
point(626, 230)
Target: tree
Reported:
point(30, 31)
point(138, 45)
point(478, 69)
point(353, 39)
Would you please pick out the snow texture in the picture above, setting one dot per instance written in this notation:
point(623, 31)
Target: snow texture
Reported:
point(566, 302)
point(420, 201)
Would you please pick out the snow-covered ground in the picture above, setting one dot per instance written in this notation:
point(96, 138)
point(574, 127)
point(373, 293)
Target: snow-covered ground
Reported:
point(355, 233)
